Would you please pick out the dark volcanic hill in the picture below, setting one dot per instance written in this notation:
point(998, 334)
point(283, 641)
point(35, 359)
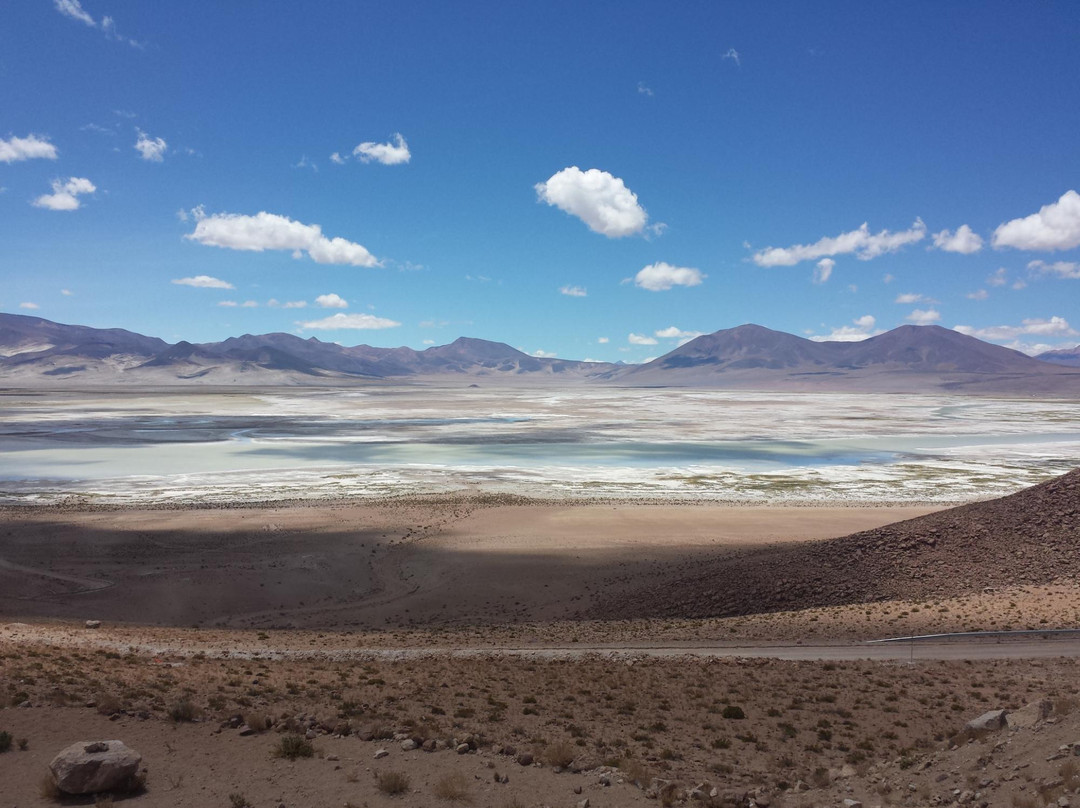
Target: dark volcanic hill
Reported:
point(907, 359)
point(1031, 537)
point(1062, 356)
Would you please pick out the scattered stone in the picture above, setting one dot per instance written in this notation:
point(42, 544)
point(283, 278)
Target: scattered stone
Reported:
point(462, 748)
point(429, 745)
point(1030, 714)
point(849, 803)
point(381, 753)
point(409, 745)
point(525, 759)
point(583, 803)
point(246, 730)
point(89, 767)
point(93, 624)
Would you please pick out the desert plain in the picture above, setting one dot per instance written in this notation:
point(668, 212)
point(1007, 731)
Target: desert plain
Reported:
point(501, 641)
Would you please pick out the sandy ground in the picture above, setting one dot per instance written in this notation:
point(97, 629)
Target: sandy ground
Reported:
point(304, 613)
point(454, 562)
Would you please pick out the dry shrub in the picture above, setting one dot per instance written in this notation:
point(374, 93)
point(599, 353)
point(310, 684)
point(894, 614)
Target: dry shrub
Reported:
point(392, 782)
point(292, 747)
point(257, 721)
point(559, 754)
point(453, 787)
point(634, 771)
point(48, 790)
point(183, 710)
point(106, 703)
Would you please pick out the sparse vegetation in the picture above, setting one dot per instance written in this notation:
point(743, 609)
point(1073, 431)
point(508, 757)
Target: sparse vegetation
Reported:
point(293, 746)
point(392, 782)
point(453, 787)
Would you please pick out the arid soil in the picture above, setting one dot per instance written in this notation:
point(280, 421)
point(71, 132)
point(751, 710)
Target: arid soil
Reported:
point(294, 622)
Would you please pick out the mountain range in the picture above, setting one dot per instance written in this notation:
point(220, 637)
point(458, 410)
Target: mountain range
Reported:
point(37, 352)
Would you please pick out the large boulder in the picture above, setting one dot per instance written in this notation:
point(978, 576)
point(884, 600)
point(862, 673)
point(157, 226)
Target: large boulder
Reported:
point(88, 767)
point(988, 722)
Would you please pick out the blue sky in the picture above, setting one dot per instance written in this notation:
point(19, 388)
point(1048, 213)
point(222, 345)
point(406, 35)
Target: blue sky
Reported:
point(595, 180)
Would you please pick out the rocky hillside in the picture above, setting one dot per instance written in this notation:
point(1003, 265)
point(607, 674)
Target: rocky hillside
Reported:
point(1031, 537)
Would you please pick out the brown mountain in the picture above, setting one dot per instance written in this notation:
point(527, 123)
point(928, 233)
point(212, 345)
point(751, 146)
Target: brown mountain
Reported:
point(907, 359)
point(1031, 537)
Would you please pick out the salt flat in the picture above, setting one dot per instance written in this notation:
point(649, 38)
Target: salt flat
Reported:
point(743, 447)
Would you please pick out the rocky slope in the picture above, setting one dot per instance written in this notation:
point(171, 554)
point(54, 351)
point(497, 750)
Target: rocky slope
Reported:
point(1031, 537)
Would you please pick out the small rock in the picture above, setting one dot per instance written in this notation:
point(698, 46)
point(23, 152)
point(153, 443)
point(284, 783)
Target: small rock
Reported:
point(332, 757)
point(381, 753)
point(429, 745)
point(93, 624)
point(409, 745)
point(462, 748)
point(987, 722)
point(577, 789)
point(525, 759)
point(849, 803)
point(583, 803)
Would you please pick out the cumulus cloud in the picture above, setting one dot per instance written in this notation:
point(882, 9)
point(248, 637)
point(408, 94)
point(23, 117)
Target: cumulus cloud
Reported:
point(823, 270)
point(964, 240)
point(978, 294)
point(1055, 227)
point(151, 149)
point(672, 332)
point(603, 340)
point(573, 291)
point(288, 304)
point(227, 304)
point(1054, 327)
point(864, 244)
point(660, 277)
point(203, 282)
point(66, 292)
point(269, 231)
point(31, 147)
point(29, 305)
point(596, 197)
point(640, 339)
point(65, 195)
point(350, 321)
point(1062, 269)
point(337, 158)
point(389, 154)
point(862, 329)
point(998, 277)
point(924, 316)
point(331, 301)
point(542, 354)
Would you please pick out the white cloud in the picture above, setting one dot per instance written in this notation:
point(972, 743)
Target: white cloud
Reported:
point(733, 55)
point(924, 316)
point(429, 342)
point(228, 304)
point(1054, 327)
point(389, 154)
point(964, 240)
point(74, 10)
point(31, 147)
point(596, 197)
point(823, 270)
point(672, 332)
point(250, 304)
point(306, 163)
point(998, 277)
point(913, 297)
point(65, 195)
point(640, 339)
point(352, 321)
point(660, 277)
point(888, 278)
point(542, 354)
point(862, 329)
point(269, 231)
point(573, 291)
point(1063, 269)
point(331, 301)
point(288, 304)
point(641, 88)
point(66, 292)
point(864, 244)
point(337, 158)
point(603, 340)
point(978, 294)
point(203, 282)
point(28, 305)
point(151, 149)
point(1019, 284)
point(1055, 227)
